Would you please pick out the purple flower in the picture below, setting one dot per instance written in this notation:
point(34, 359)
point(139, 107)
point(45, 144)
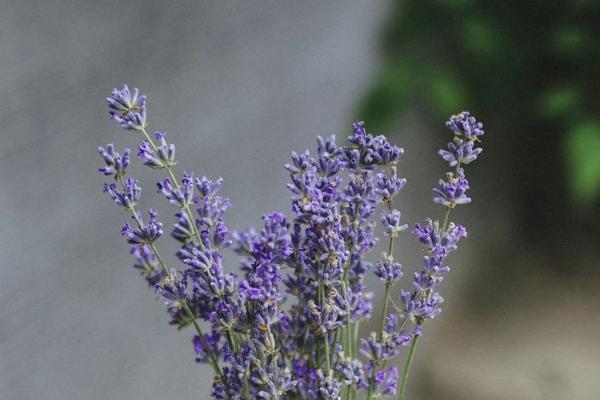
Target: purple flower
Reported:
point(420, 306)
point(202, 352)
point(160, 156)
point(324, 318)
point(387, 270)
point(391, 323)
point(144, 233)
point(209, 205)
point(128, 196)
point(128, 108)
point(391, 224)
point(465, 125)
point(376, 350)
point(115, 163)
point(173, 289)
point(372, 150)
point(147, 264)
point(389, 185)
point(183, 229)
point(460, 151)
point(329, 386)
point(387, 381)
point(274, 242)
point(178, 196)
point(351, 372)
point(329, 163)
point(360, 303)
point(437, 241)
point(221, 235)
point(453, 190)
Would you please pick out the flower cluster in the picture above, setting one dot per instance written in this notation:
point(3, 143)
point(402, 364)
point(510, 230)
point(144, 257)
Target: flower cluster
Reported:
point(287, 327)
point(128, 108)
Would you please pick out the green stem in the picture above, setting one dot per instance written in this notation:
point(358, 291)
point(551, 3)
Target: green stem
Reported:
point(213, 359)
point(321, 294)
point(247, 388)
point(409, 362)
point(386, 297)
point(327, 360)
point(347, 327)
point(355, 330)
point(445, 223)
point(158, 257)
point(371, 385)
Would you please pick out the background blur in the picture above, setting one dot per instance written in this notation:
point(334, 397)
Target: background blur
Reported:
point(237, 86)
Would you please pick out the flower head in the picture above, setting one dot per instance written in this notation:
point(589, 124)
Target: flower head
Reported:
point(128, 108)
point(452, 191)
point(157, 156)
point(388, 270)
point(127, 196)
point(115, 163)
point(391, 223)
point(465, 125)
point(460, 151)
point(144, 233)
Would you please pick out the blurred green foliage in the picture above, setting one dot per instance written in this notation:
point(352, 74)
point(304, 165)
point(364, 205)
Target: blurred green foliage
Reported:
point(583, 149)
point(529, 69)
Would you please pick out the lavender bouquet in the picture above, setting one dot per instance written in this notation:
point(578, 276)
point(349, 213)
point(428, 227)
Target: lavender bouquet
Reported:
point(287, 326)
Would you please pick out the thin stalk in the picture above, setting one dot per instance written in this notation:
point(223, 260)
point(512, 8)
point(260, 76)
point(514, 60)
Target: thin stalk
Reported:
point(409, 362)
point(355, 330)
point(247, 387)
point(327, 360)
point(213, 360)
point(325, 334)
point(445, 223)
point(386, 297)
point(348, 322)
point(370, 391)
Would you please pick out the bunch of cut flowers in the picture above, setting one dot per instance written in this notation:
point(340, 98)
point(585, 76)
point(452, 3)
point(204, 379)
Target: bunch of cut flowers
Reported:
point(286, 326)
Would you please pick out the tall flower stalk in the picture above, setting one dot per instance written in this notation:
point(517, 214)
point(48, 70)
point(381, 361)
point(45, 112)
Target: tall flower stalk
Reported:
point(288, 326)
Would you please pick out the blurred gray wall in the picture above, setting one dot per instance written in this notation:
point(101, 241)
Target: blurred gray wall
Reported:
point(236, 85)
